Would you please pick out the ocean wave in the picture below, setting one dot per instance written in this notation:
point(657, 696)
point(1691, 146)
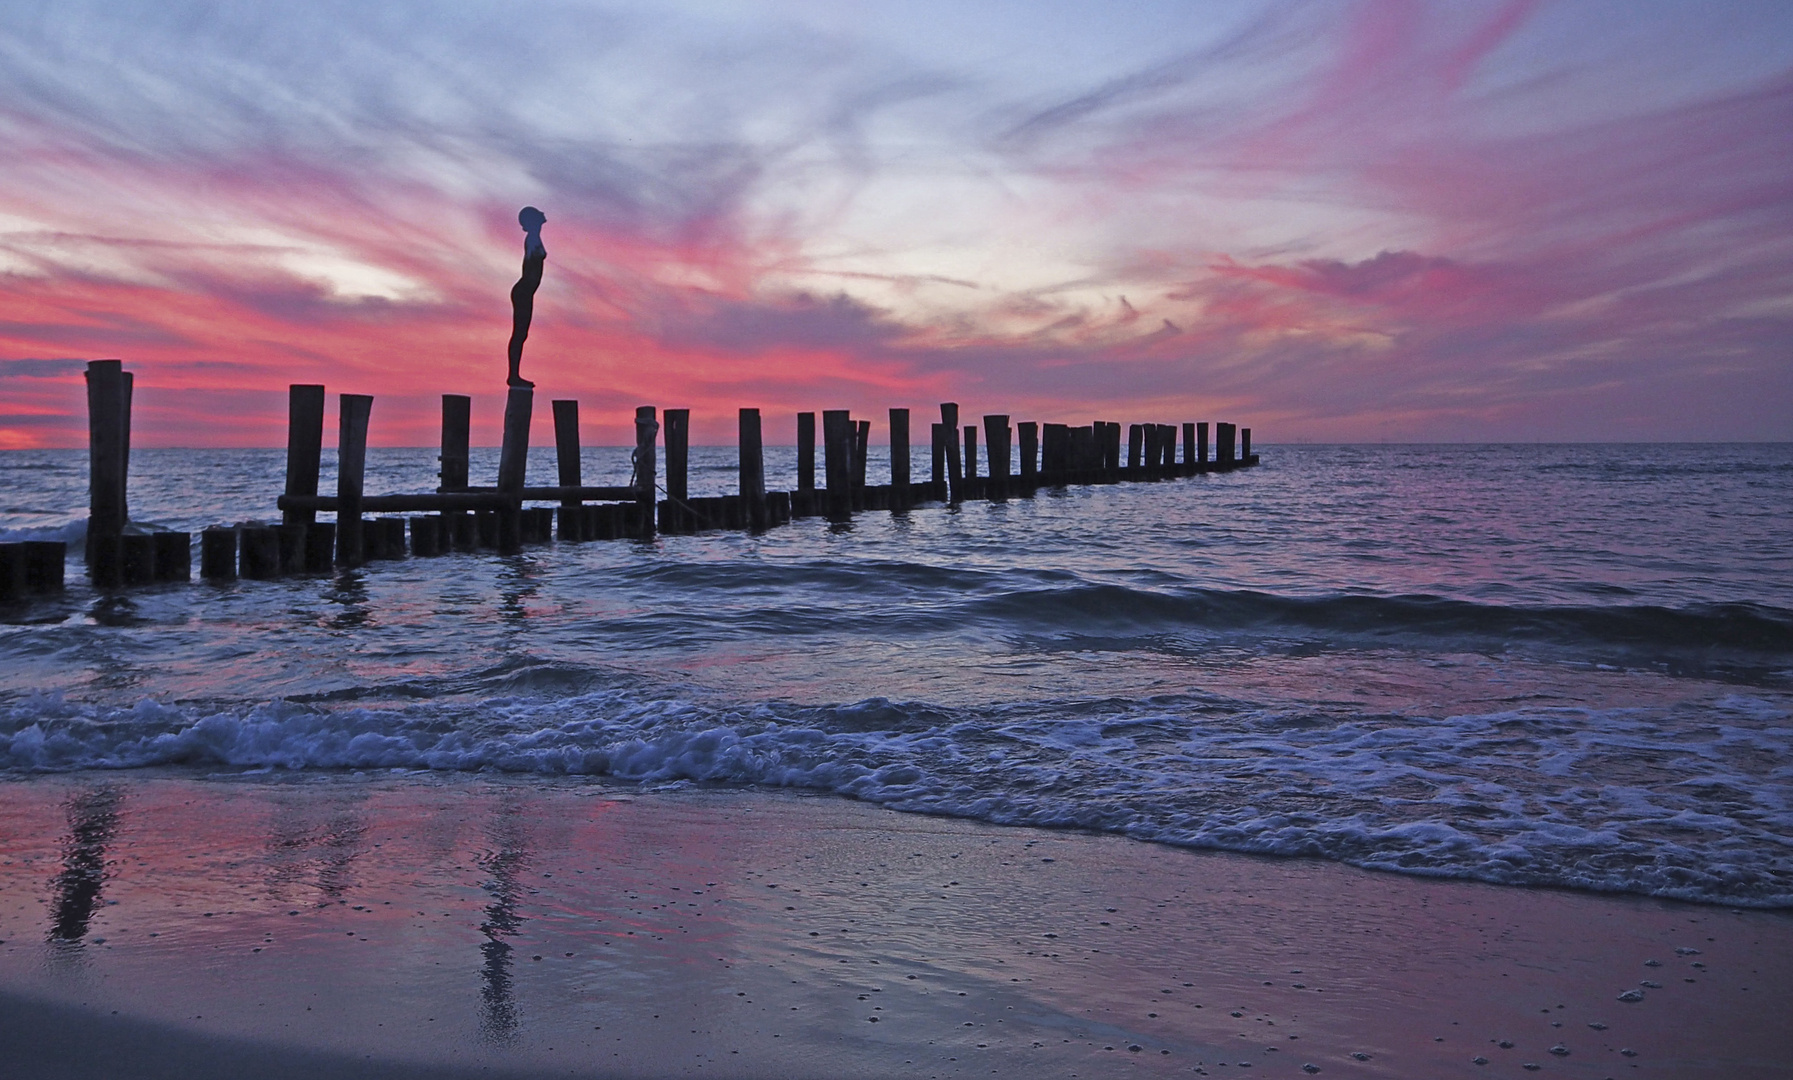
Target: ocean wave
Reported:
point(1694, 803)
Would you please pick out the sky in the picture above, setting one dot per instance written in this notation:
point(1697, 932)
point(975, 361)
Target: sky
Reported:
point(1328, 220)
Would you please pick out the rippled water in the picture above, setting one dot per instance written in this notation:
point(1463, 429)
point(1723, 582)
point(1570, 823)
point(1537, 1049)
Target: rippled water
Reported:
point(1565, 665)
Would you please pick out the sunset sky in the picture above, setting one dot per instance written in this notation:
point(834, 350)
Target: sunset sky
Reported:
point(1350, 221)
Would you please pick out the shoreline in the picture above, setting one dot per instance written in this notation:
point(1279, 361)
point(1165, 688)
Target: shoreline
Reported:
point(322, 922)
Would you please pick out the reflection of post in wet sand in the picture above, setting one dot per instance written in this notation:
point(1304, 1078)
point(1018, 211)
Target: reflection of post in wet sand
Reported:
point(92, 819)
point(504, 863)
point(323, 852)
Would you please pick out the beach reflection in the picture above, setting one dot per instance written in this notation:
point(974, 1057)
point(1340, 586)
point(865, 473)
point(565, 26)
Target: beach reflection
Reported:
point(93, 820)
point(504, 865)
point(323, 851)
point(349, 592)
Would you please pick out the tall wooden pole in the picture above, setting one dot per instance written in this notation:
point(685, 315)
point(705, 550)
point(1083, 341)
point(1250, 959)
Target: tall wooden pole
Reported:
point(105, 469)
point(838, 436)
point(513, 465)
point(457, 416)
point(647, 430)
point(753, 470)
point(899, 460)
point(351, 465)
point(955, 478)
point(304, 446)
point(806, 451)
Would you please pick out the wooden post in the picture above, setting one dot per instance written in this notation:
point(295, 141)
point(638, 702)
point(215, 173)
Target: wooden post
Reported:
point(218, 553)
point(351, 464)
point(566, 445)
point(292, 548)
point(12, 572)
point(105, 455)
point(137, 558)
point(677, 517)
point(970, 456)
point(1223, 445)
point(1136, 441)
point(1154, 448)
point(174, 556)
point(1054, 444)
point(1245, 445)
point(1188, 450)
point(1201, 447)
point(304, 446)
point(955, 477)
point(900, 491)
point(862, 439)
point(753, 470)
point(1111, 451)
point(938, 476)
point(320, 547)
point(996, 438)
point(513, 465)
point(457, 417)
point(806, 451)
point(647, 431)
point(259, 557)
point(838, 437)
point(1029, 432)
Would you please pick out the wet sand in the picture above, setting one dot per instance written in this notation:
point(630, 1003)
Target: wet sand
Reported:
point(160, 924)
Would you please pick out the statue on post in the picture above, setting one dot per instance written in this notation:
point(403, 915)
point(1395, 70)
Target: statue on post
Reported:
point(523, 292)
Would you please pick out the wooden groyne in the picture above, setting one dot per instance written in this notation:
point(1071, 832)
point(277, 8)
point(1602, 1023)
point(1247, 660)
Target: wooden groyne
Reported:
point(1017, 461)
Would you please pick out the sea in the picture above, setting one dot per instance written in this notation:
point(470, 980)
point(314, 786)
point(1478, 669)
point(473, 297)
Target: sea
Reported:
point(1563, 666)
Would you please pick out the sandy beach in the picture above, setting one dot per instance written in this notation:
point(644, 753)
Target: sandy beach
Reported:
point(160, 924)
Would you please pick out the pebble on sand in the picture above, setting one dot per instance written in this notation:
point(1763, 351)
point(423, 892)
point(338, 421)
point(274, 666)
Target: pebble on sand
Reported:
point(1560, 1050)
point(1632, 995)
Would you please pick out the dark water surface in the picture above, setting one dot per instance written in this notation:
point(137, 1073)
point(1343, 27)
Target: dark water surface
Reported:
point(1560, 665)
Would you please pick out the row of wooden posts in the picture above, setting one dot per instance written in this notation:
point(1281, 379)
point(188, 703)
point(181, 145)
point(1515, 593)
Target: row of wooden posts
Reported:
point(459, 516)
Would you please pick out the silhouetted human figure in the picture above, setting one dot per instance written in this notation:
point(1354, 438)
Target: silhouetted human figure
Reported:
point(523, 292)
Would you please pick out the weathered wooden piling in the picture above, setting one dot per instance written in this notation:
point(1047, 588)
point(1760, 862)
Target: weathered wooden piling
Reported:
point(955, 475)
point(137, 559)
point(971, 461)
point(566, 454)
point(752, 461)
point(838, 436)
point(107, 419)
point(643, 479)
point(1188, 463)
point(937, 475)
point(1028, 434)
point(457, 417)
point(1201, 446)
point(426, 536)
point(806, 451)
point(513, 465)
point(996, 440)
point(12, 572)
point(1136, 443)
point(675, 516)
point(902, 495)
point(1245, 445)
point(218, 553)
point(258, 553)
point(292, 548)
point(1224, 436)
point(174, 556)
point(44, 564)
point(862, 440)
point(351, 466)
point(304, 446)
